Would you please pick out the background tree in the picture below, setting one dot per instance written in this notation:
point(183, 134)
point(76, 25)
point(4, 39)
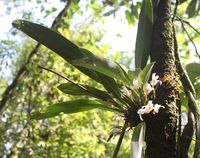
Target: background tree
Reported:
point(36, 91)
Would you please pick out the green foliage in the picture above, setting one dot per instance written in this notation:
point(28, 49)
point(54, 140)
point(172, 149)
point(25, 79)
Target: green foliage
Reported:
point(49, 12)
point(126, 101)
point(73, 89)
point(144, 75)
point(193, 8)
point(65, 49)
point(70, 135)
point(3, 85)
point(132, 13)
point(137, 142)
point(129, 17)
point(193, 70)
point(143, 40)
point(47, 37)
point(194, 75)
point(181, 1)
point(101, 65)
point(68, 108)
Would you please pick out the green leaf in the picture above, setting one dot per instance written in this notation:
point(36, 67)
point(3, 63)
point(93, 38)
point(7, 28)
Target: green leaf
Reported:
point(64, 48)
point(73, 89)
point(133, 74)
point(129, 17)
point(69, 88)
point(143, 40)
point(193, 70)
point(68, 108)
point(182, 1)
point(138, 140)
point(128, 80)
point(101, 65)
point(197, 90)
point(110, 85)
point(144, 75)
point(54, 41)
point(108, 82)
point(192, 8)
point(50, 39)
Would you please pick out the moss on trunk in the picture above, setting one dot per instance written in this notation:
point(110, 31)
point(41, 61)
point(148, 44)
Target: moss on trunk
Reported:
point(161, 128)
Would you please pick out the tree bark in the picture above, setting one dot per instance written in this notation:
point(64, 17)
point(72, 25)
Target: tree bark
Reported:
point(161, 128)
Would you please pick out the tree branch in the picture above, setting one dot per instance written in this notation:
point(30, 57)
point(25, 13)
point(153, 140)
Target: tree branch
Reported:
point(186, 22)
point(187, 134)
point(8, 92)
point(196, 113)
point(175, 9)
point(187, 33)
point(185, 80)
point(190, 93)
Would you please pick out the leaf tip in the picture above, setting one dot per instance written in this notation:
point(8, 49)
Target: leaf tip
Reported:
point(17, 23)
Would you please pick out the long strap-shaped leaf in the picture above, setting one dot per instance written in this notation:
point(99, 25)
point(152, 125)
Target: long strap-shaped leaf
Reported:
point(79, 89)
point(101, 65)
point(143, 40)
point(66, 49)
point(144, 75)
point(54, 41)
point(73, 89)
point(68, 108)
point(137, 141)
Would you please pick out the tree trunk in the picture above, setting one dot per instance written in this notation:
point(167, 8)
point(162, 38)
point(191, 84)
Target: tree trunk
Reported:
point(161, 128)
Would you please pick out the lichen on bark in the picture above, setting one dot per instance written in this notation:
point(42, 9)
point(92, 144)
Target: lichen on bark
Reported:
point(161, 129)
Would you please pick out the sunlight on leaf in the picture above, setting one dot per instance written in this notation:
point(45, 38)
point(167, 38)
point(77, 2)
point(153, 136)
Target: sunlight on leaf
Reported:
point(68, 108)
point(102, 65)
point(66, 49)
point(54, 41)
point(143, 40)
point(193, 70)
point(144, 75)
point(193, 8)
point(137, 142)
point(72, 89)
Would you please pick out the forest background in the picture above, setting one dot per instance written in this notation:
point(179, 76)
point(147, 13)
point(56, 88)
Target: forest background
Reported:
point(107, 28)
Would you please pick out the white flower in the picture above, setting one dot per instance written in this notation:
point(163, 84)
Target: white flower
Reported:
point(149, 107)
point(148, 89)
point(126, 92)
point(154, 80)
point(146, 109)
point(140, 112)
point(136, 84)
point(157, 107)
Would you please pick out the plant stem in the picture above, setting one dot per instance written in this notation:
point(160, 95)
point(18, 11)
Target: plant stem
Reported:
point(120, 140)
point(81, 87)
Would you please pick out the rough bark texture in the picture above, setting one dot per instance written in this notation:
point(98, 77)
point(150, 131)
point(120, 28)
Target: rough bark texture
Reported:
point(161, 128)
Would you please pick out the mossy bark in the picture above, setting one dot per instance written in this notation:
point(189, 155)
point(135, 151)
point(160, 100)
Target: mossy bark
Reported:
point(161, 128)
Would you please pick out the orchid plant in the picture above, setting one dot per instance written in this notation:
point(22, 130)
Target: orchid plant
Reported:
point(131, 98)
point(139, 97)
point(142, 95)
